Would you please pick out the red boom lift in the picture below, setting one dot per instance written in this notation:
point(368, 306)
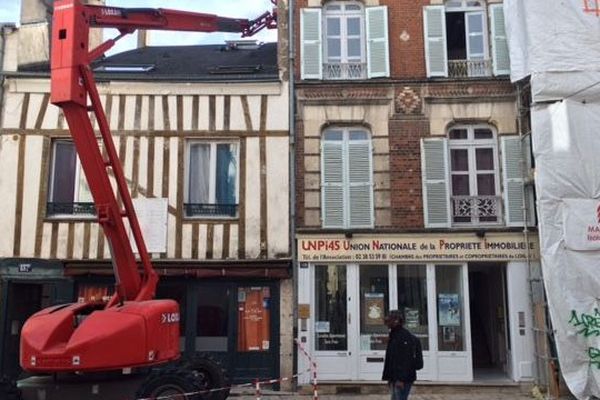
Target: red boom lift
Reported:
point(132, 332)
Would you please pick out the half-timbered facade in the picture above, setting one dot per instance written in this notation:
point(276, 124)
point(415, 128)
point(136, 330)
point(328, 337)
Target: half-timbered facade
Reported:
point(202, 133)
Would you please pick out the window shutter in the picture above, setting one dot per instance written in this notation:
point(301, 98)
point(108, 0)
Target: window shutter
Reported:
point(436, 54)
point(378, 55)
point(434, 164)
point(360, 193)
point(500, 52)
point(332, 181)
point(312, 49)
point(514, 182)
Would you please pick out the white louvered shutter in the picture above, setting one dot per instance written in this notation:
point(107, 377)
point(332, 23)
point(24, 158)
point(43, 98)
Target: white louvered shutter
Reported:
point(360, 187)
point(436, 54)
point(513, 179)
point(500, 54)
point(332, 184)
point(312, 47)
point(434, 165)
point(378, 54)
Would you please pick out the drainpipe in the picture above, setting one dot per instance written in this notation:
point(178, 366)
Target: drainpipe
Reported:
point(3, 29)
point(292, 177)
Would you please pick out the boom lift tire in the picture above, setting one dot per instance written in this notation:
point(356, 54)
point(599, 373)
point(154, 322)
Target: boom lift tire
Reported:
point(8, 390)
point(210, 374)
point(174, 383)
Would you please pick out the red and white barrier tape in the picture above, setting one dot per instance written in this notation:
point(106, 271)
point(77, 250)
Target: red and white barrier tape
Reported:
point(313, 369)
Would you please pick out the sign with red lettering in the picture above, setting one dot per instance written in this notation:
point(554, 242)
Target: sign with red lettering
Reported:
point(424, 247)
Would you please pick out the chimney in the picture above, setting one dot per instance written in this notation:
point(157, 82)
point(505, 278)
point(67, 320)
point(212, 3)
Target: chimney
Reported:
point(36, 28)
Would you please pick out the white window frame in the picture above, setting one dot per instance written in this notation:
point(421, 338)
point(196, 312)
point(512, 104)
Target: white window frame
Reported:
point(346, 173)
point(212, 185)
point(471, 145)
point(78, 182)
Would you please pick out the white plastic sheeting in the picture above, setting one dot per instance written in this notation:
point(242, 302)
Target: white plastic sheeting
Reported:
point(552, 35)
point(566, 145)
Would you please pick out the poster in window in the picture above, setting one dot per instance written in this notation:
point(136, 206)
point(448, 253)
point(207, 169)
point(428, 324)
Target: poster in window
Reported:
point(374, 309)
point(449, 309)
point(411, 318)
point(253, 319)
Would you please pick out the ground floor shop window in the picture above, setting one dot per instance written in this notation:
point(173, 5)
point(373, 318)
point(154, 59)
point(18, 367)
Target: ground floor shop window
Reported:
point(412, 300)
point(254, 316)
point(212, 318)
point(331, 329)
point(451, 327)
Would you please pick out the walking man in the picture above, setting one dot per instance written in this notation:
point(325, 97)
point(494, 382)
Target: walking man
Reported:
point(403, 357)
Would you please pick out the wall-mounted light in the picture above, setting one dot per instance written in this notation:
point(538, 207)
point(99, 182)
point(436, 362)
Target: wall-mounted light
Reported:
point(480, 233)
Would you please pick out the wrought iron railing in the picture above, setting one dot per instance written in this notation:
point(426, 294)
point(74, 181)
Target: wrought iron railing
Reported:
point(82, 209)
point(476, 209)
point(349, 70)
point(469, 68)
point(210, 210)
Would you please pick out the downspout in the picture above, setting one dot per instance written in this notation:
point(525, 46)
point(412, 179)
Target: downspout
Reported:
point(292, 177)
point(2, 75)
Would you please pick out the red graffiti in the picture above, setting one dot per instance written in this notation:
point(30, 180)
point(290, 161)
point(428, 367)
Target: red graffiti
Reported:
point(591, 7)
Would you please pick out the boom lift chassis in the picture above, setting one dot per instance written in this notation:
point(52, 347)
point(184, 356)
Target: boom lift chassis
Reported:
point(128, 348)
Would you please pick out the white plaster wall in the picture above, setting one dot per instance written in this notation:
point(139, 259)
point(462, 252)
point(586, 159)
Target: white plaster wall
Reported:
point(252, 198)
point(278, 195)
point(31, 193)
point(500, 114)
point(9, 150)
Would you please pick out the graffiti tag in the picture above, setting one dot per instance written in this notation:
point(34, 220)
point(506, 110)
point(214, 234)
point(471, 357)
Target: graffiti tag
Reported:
point(588, 324)
point(594, 354)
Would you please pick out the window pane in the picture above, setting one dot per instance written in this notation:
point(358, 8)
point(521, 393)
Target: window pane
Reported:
point(199, 176)
point(412, 300)
point(460, 185)
point(459, 159)
point(226, 180)
point(84, 194)
point(212, 318)
point(254, 319)
point(334, 49)
point(333, 27)
point(330, 308)
point(333, 135)
point(359, 135)
point(352, 7)
point(486, 185)
point(175, 292)
point(451, 330)
point(63, 178)
point(353, 26)
point(482, 133)
point(374, 303)
point(333, 7)
point(458, 134)
point(476, 44)
point(484, 159)
point(475, 22)
point(354, 48)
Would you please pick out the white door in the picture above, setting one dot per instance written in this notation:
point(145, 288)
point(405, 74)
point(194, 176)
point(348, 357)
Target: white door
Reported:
point(333, 339)
point(454, 360)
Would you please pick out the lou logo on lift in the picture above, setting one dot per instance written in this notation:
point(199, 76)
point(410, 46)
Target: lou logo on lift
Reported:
point(169, 318)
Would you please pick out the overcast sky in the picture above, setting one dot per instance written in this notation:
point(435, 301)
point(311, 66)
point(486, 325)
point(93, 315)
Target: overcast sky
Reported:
point(9, 12)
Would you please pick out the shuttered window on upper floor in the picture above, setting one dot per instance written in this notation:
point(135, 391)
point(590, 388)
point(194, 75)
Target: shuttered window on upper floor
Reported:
point(466, 182)
point(346, 179)
point(463, 39)
point(344, 40)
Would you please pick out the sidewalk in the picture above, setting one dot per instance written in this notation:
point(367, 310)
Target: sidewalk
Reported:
point(460, 396)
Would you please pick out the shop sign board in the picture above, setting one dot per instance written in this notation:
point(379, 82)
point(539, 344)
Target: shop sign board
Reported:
point(420, 248)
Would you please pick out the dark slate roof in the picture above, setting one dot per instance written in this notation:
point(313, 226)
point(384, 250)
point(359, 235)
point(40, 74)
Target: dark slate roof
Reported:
point(187, 63)
point(193, 63)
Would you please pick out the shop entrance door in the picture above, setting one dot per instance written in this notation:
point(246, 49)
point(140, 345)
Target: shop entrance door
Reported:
point(334, 344)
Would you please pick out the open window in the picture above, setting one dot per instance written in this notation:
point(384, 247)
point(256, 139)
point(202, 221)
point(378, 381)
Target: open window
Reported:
point(458, 38)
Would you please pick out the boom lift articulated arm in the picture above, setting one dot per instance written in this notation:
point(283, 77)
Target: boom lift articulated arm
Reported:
point(72, 83)
point(133, 330)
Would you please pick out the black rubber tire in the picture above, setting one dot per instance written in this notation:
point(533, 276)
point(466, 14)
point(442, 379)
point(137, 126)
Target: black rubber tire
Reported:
point(210, 374)
point(9, 390)
point(179, 383)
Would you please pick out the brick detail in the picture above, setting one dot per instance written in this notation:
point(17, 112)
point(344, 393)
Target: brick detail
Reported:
point(465, 89)
point(405, 172)
point(408, 101)
point(299, 173)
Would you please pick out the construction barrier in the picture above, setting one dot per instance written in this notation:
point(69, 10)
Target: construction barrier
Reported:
point(257, 383)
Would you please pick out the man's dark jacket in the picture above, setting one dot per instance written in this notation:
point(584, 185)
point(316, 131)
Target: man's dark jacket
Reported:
point(403, 357)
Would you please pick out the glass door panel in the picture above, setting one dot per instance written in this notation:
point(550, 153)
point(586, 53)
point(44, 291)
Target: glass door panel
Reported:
point(374, 300)
point(331, 322)
point(412, 300)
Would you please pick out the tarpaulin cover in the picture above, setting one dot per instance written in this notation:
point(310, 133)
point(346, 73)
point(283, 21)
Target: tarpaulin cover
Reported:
point(552, 35)
point(566, 145)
